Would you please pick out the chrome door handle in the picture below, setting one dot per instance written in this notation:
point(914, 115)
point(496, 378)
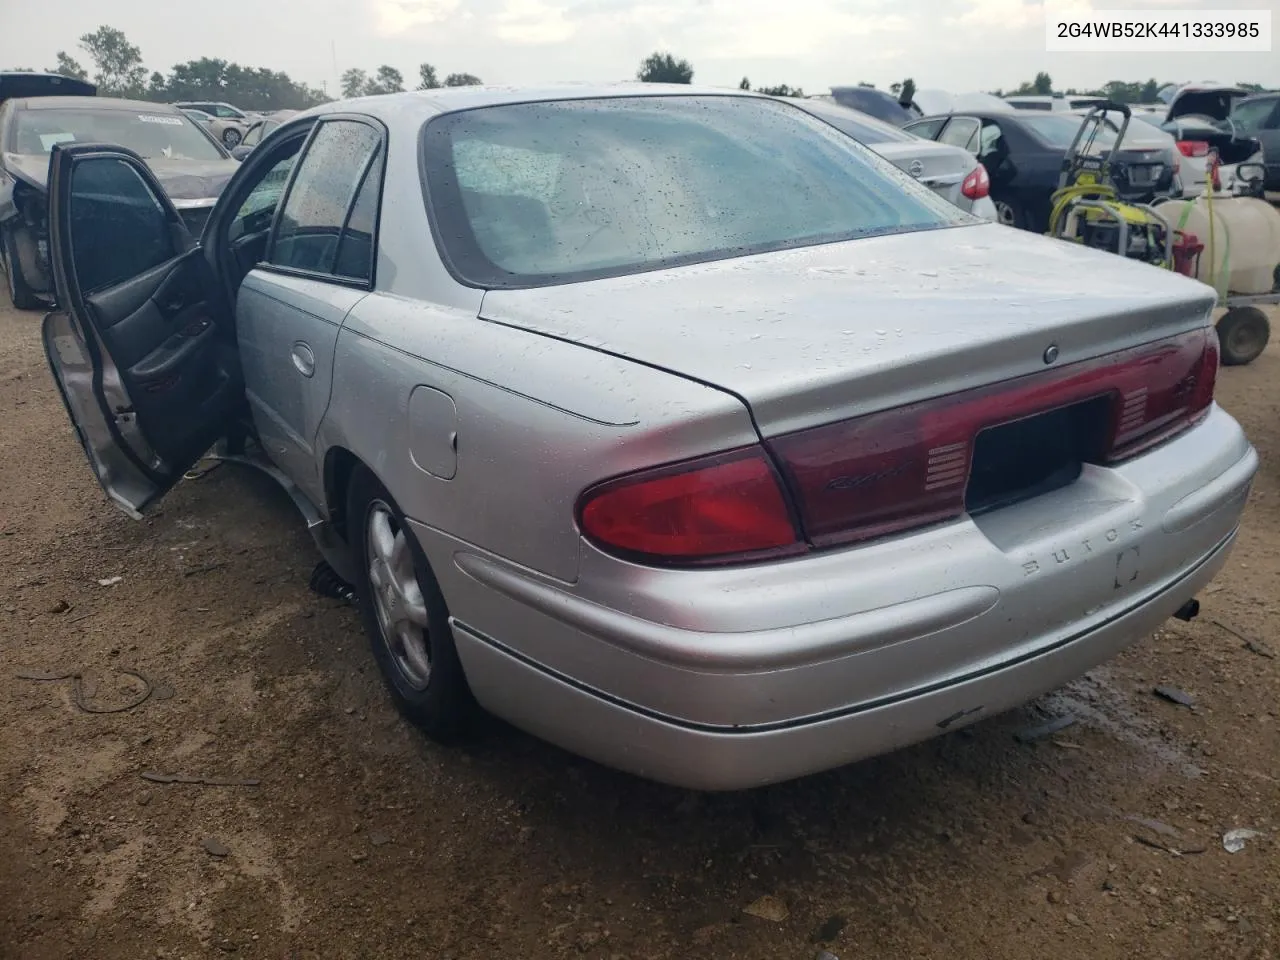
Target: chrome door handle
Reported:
point(303, 359)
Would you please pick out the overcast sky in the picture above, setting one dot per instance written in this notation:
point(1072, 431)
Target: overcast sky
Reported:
point(957, 45)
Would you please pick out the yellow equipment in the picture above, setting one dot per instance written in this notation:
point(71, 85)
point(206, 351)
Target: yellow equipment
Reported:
point(1086, 208)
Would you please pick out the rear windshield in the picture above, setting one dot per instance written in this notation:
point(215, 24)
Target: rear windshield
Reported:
point(541, 193)
point(1058, 130)
point(151, 135)
point(862, 127)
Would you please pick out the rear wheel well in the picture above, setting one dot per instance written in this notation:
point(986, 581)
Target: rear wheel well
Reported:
point(339, 466)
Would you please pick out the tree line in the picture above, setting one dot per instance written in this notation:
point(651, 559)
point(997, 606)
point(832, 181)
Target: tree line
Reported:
point(120, 71)
point(666, 68)
point(1119, 91)
point(386, 79)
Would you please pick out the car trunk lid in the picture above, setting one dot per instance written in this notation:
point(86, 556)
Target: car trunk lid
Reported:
point(824, 333)
point(939, 167)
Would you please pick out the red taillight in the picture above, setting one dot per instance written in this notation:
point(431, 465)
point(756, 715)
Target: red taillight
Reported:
point(909, 466)
point(1193, 148)
point(729, 506)
point(977, 184)
point(889, 471)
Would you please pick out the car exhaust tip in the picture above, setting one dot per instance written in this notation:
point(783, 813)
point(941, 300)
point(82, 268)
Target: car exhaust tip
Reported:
point(1188, 611)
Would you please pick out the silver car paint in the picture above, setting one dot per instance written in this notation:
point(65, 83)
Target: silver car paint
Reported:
point(731, 677)
point(287, 328)
point(595, 726)
point(833, 631)
point(822, 333)
point(538, 420)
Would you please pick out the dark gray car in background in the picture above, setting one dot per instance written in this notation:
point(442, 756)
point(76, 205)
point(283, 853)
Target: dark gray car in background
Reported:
point(190, 165)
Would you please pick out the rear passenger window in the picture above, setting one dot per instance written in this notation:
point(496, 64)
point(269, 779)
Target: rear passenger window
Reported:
point(324, 188)
point(927, 128)
point(961, 132)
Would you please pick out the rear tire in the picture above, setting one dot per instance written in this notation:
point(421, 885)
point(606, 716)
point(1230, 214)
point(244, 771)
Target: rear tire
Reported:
point(1010, 213)
point(20, 294)
point(1243, 333)
point(404, 614)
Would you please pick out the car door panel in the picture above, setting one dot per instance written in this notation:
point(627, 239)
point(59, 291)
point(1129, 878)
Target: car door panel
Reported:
point(292, 305)
point(172, 358)
point(140, 311)
point(279, 317)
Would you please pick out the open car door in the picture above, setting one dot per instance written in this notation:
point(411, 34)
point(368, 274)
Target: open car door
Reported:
point(142, 341)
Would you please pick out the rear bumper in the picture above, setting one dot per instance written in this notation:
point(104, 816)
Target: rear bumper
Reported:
point(650, 745)
point(695, 676)
point(985, 208)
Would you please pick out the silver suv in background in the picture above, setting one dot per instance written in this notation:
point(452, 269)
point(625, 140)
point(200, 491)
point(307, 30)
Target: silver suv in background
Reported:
point(227, 123)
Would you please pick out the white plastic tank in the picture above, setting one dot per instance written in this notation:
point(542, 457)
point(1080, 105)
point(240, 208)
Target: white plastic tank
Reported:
point(1242, 250)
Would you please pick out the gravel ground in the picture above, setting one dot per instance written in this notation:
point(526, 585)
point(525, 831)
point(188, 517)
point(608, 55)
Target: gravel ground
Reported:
point(361, 839)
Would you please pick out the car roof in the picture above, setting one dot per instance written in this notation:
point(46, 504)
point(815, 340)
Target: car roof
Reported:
point(94, 103)
point(391, 106)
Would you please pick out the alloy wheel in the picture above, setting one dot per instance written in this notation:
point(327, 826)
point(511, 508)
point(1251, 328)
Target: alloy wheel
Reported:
point(396, 595)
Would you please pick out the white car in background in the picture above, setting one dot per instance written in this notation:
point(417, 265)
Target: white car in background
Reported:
point(1192, 138)
point(226, 123)
point(951, 172)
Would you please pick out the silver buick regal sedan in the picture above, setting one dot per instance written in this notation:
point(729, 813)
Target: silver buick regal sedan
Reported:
point(671, 425)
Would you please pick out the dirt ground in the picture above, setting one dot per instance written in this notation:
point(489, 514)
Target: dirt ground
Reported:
point(362, 839)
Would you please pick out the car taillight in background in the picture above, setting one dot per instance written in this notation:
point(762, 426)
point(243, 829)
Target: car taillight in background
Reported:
point(977, 184)
point(889, 471)
point(1193, 148)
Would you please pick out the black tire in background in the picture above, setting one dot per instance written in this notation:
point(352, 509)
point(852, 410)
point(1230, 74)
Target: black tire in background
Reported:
point(1010, 213)
point(20, 293)
point(1243, 333)
point(440, 701)
point(231, 138)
